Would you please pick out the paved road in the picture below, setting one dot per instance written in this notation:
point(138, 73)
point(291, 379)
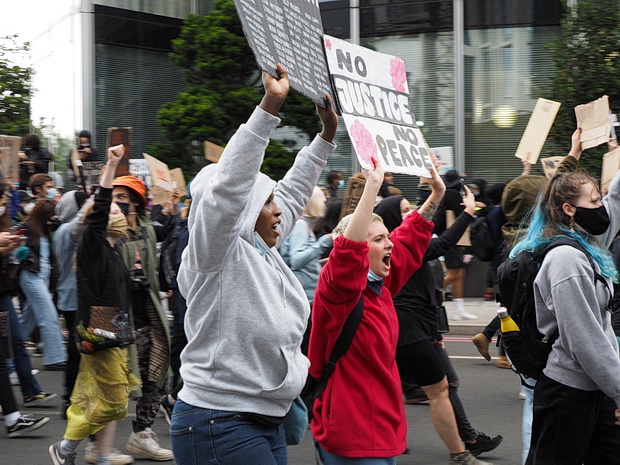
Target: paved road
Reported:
point(490, 396)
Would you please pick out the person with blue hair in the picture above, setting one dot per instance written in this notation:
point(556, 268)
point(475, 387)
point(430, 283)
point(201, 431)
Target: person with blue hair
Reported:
point(577, 398)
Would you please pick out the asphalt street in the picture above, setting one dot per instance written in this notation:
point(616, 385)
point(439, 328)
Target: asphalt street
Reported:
point(490, 396)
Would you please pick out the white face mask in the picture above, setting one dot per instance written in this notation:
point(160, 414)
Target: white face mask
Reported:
point(28, 208)
point(2, 210)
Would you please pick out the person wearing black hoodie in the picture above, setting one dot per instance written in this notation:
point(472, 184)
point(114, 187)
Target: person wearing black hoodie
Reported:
point(34, 159)
point(420, 354)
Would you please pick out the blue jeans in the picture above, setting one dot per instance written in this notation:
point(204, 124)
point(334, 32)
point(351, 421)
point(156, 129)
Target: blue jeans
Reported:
point(213, 437)
point(325, 458)
point(39, 310)
point(528, 415)
point(28, 382)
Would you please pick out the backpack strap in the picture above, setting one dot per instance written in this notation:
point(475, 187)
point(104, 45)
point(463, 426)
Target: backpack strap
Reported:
point(341, 347)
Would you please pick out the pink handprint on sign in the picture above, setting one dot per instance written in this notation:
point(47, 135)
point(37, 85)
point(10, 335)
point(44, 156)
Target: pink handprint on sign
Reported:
point(398, 73)
point(364, 143)
point(328, 44)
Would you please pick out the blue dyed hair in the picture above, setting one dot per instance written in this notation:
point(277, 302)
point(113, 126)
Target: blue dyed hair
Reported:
point(547, 225)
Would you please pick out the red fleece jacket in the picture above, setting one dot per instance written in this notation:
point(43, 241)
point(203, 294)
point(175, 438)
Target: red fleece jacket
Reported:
point(360, 413)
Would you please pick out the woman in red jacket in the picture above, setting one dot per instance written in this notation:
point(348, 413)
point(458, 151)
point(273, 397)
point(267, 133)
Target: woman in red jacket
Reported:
point(359, 418)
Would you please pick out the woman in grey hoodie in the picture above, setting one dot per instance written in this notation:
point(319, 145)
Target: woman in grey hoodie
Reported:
point(246, 311)
point(577, 398)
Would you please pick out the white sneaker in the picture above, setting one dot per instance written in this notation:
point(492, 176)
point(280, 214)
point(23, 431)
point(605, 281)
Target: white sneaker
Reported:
point(116, 457)
point(146, 444)
point(464, 316)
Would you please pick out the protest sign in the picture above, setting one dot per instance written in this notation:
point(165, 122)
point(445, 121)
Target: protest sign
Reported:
point(372, 95)
point(611, 165)
point(10, 161)
point(161, 181)
point(537, 130)
point(139, 168)
point(177, 177)
point(9, 164)
point(593, 119)
point(117, 136)
point(353, 193)
point(213, 152)
point(288, 32)
point(91, 172)
point(550, 165)
point(445, 156)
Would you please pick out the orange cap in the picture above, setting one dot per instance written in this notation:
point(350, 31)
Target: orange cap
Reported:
point(133, 183)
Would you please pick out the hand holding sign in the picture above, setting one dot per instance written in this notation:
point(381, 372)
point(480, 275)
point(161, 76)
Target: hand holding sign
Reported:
point(374, 176)
point(276, 90)
point(329, 118)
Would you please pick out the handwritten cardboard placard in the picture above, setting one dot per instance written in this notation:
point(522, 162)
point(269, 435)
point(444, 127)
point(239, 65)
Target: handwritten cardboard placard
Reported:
point(179, 180)
point(611, 165)
point(537, 130)
point(10, 163)
point(213, 152)
point(352, 196)
point(288, 32)
point(593, 119)
point(117, 136)
point(550, 165)
point(373, 97)
point(161, 180)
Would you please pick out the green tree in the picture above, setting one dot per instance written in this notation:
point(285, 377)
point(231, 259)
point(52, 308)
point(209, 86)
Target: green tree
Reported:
point(15, 89)
point(223, 87)
point(586, 55)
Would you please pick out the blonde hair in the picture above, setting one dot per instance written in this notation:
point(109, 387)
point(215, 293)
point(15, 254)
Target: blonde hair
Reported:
point(316, 205)
point(344, 222)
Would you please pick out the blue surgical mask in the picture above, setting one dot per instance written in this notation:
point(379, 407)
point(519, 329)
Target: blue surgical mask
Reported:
point(341, 184)
point(51, 193)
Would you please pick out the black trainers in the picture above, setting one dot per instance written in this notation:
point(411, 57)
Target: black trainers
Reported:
point(483, 443)
point(25, 424)
point(59, 458)
point(166, 408)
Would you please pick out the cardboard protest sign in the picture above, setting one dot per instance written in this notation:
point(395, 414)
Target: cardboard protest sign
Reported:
point(372, 95)
point(288, 32)
point(9, 164)
point(550, 165)
point(537, 130)
point(593, 119)
point(213, 152)
point(91, 172)
point(177, 178)
point(118, 136)
point(353, 193)
point(161, 181)
point(10, 161)
point(611, 165)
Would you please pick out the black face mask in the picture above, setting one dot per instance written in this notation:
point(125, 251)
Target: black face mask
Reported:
point(593, 220)
point(124, 206)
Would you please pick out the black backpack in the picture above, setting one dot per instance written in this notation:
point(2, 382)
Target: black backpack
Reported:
point(526, 349)
point(482, 244)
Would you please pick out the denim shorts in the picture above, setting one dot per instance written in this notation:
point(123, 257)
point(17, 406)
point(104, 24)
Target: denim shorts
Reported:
point(215, 437)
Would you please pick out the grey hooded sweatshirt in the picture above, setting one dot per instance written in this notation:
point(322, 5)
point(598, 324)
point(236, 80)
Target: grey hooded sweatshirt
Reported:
point(568, 298)
point(246, 311)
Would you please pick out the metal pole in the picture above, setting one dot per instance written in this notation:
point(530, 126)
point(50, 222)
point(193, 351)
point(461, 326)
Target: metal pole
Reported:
point(87, 16)
point(354, 27)
point(459, 85)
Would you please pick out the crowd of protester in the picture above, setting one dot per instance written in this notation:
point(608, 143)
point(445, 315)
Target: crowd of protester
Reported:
point(260, 278)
